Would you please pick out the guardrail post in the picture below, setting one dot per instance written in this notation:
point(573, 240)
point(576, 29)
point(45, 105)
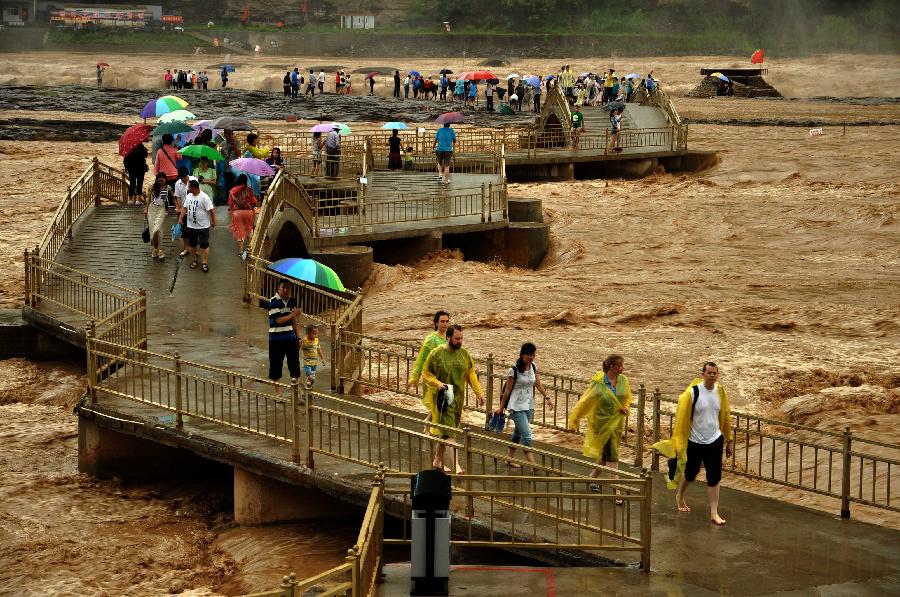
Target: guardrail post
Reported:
point(672, 140)
point(646, 513)
point(307, 414)
point(27, 261)
point(490, 203)
point(142, 320)
point(482, 202)
point(295, 419)
point(845, 475)
point(69, 212)
point(336, 367)
point(654, 465)
point(95, 176)
point(353, 559)
point(289, 585)
point(488, 392)
point(179, 422)
point(639, 431)
point(467, 453)
point(90, 332)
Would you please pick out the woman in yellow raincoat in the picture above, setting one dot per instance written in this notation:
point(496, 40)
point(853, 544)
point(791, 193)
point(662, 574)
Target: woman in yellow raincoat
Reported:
point(605, 405)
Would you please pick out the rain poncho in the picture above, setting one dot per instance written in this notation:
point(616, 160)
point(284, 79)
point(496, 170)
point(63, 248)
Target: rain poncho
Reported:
point(601, 408)
point(676, 447)
point(454, 368)
point(433, 340)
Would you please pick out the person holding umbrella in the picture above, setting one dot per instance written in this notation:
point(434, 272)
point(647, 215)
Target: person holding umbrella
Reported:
point(224, 76)
point(100, 70)
point(135, 163)
point(241, 202)
point(333, 151)
point(371, 78)
point(206, 175)
point(395, 161)
point(166, 158)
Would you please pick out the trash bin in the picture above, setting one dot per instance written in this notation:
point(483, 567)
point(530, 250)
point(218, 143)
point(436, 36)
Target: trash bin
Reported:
point(430, 550)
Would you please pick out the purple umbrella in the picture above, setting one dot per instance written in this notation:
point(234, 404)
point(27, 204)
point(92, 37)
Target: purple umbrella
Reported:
point(449, 117)
point(322, 128)
point(252, 166)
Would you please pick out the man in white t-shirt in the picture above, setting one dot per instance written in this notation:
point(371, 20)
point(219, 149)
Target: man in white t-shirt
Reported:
point(321, 80)
point(709, 429)
point(198, 215)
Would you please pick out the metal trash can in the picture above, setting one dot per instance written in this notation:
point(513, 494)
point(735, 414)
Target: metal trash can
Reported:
point(430, 550)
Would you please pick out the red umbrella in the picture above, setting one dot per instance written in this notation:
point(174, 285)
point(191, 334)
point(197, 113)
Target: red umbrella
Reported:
point(450, 117)
point(106, 64)
point(480, 75)
point(132, 137)
point(372, 75)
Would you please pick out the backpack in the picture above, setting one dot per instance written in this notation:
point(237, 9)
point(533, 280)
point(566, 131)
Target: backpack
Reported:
point(516, 378)
point(673, 462)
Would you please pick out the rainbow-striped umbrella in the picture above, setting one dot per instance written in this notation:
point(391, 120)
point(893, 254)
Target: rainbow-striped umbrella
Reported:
point(308, 270)
point(163, 105)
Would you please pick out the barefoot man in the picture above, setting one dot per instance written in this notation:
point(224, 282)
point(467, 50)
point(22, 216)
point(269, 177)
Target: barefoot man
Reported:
point(447, 370)
point(702, 427)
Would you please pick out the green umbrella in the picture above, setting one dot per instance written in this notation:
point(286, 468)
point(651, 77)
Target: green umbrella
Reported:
point(201, 151)
point(308, 270)
point(171, 128)
point(179, 115)
point(344, 129)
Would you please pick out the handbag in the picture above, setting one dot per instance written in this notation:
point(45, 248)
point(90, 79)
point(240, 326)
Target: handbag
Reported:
point(497, 423)
point(145, 235)
point(176, 231)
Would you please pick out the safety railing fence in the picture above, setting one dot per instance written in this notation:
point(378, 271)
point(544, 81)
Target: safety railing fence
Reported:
point(97, 182)
point(320, 304)
point(191, 389)
point(543, 512)
point(300, 143)
point(125, 327)
point(388, 364)
point(349, 166)
point(829, 463)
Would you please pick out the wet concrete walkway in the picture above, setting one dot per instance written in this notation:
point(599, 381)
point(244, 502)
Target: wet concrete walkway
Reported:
point(767, 547)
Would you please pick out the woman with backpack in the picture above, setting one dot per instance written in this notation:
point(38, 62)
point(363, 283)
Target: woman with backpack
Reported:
point(517, 398)
point(241, 202)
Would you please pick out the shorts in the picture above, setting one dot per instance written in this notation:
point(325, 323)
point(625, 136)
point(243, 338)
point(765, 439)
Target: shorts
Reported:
point(710, 455)
point(309, 371)
point(443, 157)
point(196, 236)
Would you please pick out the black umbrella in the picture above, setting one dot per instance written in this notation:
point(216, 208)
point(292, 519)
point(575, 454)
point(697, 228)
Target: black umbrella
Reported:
point(233, 123)
point(446, 71)
point(614, 106)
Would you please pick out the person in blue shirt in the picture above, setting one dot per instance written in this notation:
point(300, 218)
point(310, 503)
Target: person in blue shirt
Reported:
point(295, 83)
point(444, 144)
point(444, 84)
point(460, 88)
point(473, 93)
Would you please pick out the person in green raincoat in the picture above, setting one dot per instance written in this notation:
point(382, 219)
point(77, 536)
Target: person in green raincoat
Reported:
point(702, 427)
point(605, 405)
point(432, 341)
point(449, 366)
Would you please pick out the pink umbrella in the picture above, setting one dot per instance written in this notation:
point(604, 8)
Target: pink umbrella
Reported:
point(252, 166)
point(449, 117)
point(322, 128)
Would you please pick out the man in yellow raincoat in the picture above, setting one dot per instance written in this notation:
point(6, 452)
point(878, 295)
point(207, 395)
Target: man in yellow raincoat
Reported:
point(447, 370)
point(605, 405)
point(702, 426)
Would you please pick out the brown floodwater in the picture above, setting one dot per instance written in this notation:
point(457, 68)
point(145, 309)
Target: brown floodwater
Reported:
point(782, 264)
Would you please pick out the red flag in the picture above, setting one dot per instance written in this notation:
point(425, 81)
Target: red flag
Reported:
point(757, 57)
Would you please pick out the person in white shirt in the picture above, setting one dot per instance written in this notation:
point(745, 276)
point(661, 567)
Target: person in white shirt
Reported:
point(321, 81)
point(709, 426)
point(198, 215)
point(518, 399)
point(181, 192)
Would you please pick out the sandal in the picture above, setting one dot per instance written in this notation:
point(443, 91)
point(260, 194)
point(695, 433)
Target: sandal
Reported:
point(205, 268)
point(193, 265)
point(515, 465)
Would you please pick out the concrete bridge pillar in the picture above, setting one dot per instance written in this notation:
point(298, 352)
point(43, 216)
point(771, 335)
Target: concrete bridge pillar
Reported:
point(352, 263)
point(525, 209)
point(260, 500)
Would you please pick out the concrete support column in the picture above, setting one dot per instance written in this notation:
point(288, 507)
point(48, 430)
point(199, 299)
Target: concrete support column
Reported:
point(260, 500)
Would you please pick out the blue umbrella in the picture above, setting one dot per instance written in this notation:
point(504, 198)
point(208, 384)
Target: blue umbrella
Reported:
point(397, 126)
point(533, 80)
point(415, 73)
point(308, 270)
point(228, 68)
point(549, 77)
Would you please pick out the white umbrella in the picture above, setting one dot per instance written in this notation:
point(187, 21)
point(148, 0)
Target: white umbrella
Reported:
point(512, 76)
point(177, 115)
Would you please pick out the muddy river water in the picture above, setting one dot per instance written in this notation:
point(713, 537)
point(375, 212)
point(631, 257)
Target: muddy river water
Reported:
point(782, 263)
